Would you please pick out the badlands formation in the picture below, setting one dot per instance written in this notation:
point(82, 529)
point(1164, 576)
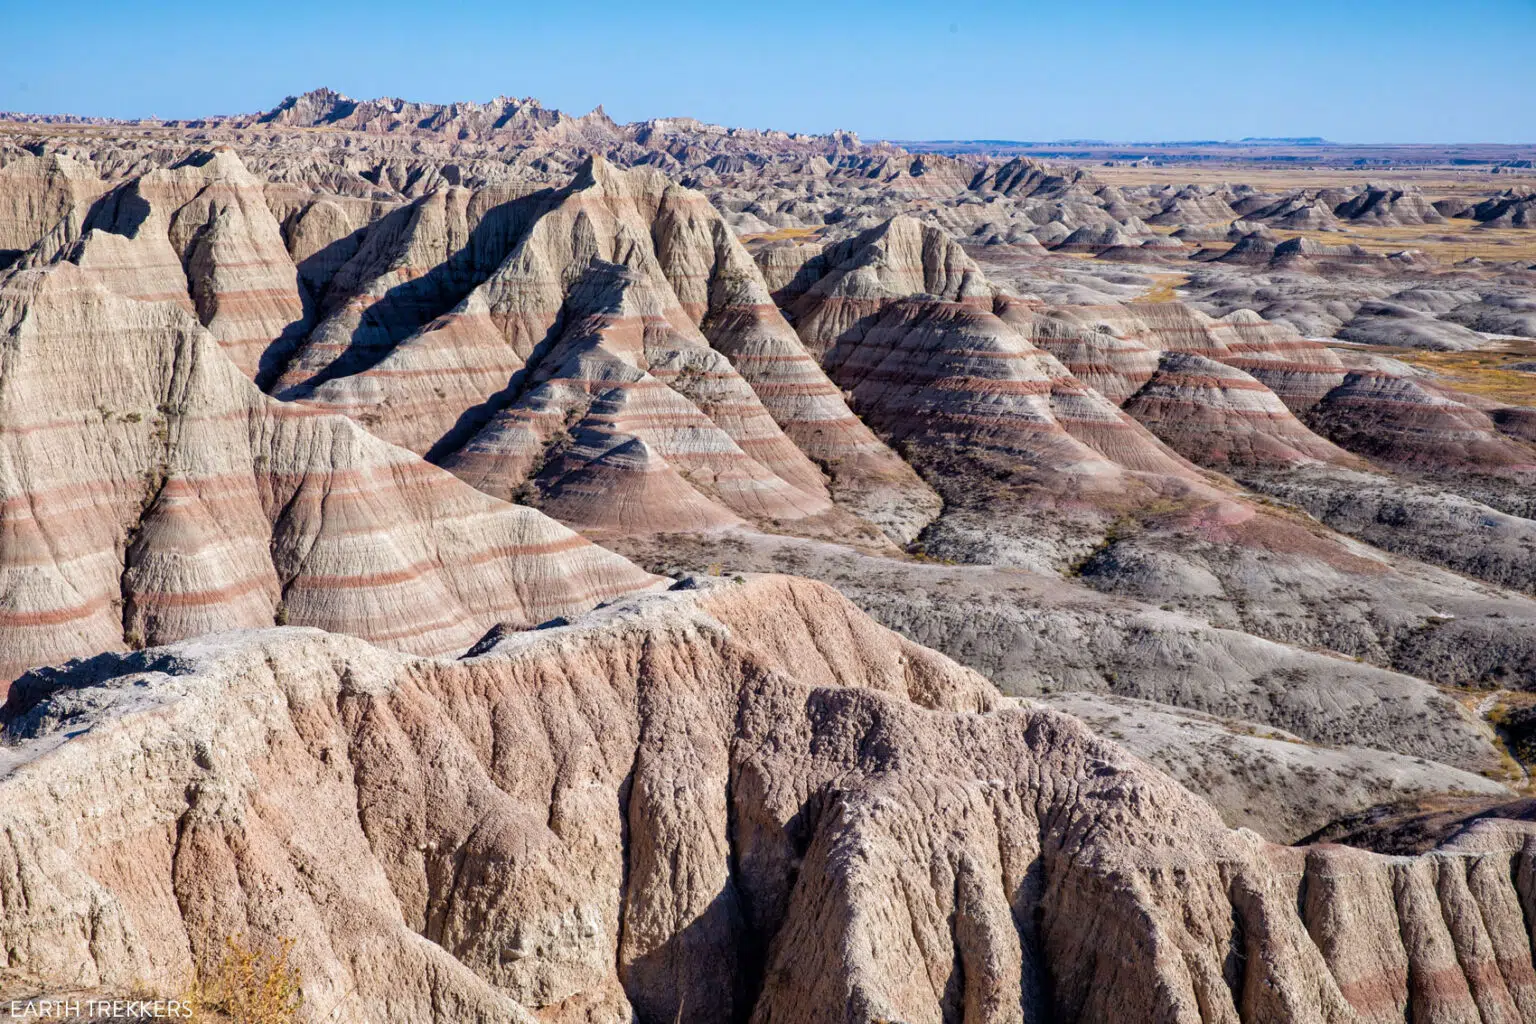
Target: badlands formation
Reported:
point(540, 569)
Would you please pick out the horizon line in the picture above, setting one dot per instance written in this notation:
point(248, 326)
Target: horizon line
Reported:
point(1255, 141)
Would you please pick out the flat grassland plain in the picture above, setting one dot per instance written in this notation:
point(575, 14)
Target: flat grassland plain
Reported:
point(1434, 170)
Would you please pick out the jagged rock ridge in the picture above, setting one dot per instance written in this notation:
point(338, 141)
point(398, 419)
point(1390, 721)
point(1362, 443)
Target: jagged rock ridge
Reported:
point(699, 804)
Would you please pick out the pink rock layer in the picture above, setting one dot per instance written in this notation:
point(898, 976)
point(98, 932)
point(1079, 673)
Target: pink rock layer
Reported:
point(627, 398)
point(1222, 418)
point(1394, 419)
point(944, 372)
point(152, 493)
point(699, 285)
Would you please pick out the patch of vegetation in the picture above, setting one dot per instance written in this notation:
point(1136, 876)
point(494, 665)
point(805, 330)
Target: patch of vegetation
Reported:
point(918, 552)
point(1516, 726)
point(244, 984)
point(1480, 371)
point(1164, 288)
point(784, 235)
point(1122, 528)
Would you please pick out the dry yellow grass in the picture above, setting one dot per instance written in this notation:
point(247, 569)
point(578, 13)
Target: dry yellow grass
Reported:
point(247, 985)
point(1451, 242)
point(1483, 372)
point(1470, 240)
point(1163, 288)
point(784, 235)
point(1468, 375)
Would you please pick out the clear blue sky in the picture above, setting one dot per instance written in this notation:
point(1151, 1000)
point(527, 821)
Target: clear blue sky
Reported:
point(1366, 71)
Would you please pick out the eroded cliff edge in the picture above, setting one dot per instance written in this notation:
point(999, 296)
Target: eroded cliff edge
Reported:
point(735, 800)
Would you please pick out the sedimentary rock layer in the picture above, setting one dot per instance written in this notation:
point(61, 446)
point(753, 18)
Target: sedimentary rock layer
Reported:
point(1221, 417)
point(429, 339)
point(198, 234)
point(743, 802)
point(149, 492)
